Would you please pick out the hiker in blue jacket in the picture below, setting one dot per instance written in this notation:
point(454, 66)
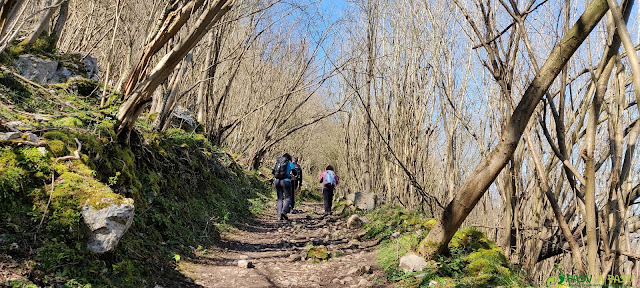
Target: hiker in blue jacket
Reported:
point(282, 183)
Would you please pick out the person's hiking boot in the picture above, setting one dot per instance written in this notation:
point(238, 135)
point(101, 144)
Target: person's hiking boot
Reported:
point(284, 217)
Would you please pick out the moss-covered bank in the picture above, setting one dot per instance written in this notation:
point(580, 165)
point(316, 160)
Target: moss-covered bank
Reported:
point(474, 260)
point(184, 190)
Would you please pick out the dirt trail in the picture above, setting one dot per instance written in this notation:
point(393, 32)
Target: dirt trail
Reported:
point(275, 249)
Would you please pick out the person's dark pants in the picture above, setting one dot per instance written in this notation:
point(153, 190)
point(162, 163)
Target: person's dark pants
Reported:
point(283, 190)
point(294, 187)
point(327, 194)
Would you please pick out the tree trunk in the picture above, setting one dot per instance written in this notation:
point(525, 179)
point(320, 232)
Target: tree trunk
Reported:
point(44, 23)
point(135, 104)
point(371, 42)
point(62, 19)
point(557, 210)
point(486, 171)
point(166, 107)
point(174, 21)
point(202, 102)
point(9, 13)
point(110, 53)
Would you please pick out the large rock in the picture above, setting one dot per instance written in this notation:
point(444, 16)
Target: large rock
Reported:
point(183, 118)
point(363, 200)
point(47, 71)
point(38, 69)
point(10, 136)
point(107, 225)
point(354, 222)
point(90, 66)
point(411, 262)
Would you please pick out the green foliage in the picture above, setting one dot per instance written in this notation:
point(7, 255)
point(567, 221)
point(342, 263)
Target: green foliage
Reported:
point(21, 284)
point(387, 219)
point(11, 83)
point(212, 191)
point(128, 273)
point(471, 239)
point(473, 260)
point(84, 87)
point(68, 122)
point(11, 175)
point(388, 257)
point(453, 265)
point(45, 46)
point(309, 195)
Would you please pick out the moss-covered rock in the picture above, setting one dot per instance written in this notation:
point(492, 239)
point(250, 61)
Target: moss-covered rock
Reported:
point(87, 191)
point(487, 261)
point(57, 148)
point(317, 253)
point(471, 239)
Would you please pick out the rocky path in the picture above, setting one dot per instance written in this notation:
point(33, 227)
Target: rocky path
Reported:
point(277, 252)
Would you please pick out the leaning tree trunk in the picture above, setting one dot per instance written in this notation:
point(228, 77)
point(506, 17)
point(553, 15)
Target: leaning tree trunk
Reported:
point(44, 22)
point(174, 21)
point(9, 11)
point(166, 108)
point(62, 19)
point(486, 171)
point(135, 104)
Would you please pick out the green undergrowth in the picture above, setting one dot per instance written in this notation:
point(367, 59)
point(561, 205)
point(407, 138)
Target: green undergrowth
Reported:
point(472, 261)
point(184, 190)
point(309, 195)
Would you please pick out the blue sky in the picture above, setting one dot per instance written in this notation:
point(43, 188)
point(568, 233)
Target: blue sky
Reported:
point(333, 8)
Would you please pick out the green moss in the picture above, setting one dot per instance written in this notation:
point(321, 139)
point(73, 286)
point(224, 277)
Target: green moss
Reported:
point(11, 176)
point(428, 248)
point(471, 239)
point(429, 224)
point(86, 190)
point(57, 148)
point(57, 135)
point(68, 122)
point(388, 219)
point(317, 253)
point(184, 189)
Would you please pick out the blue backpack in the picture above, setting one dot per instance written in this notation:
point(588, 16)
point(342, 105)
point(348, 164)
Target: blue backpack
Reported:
point(329, 179)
